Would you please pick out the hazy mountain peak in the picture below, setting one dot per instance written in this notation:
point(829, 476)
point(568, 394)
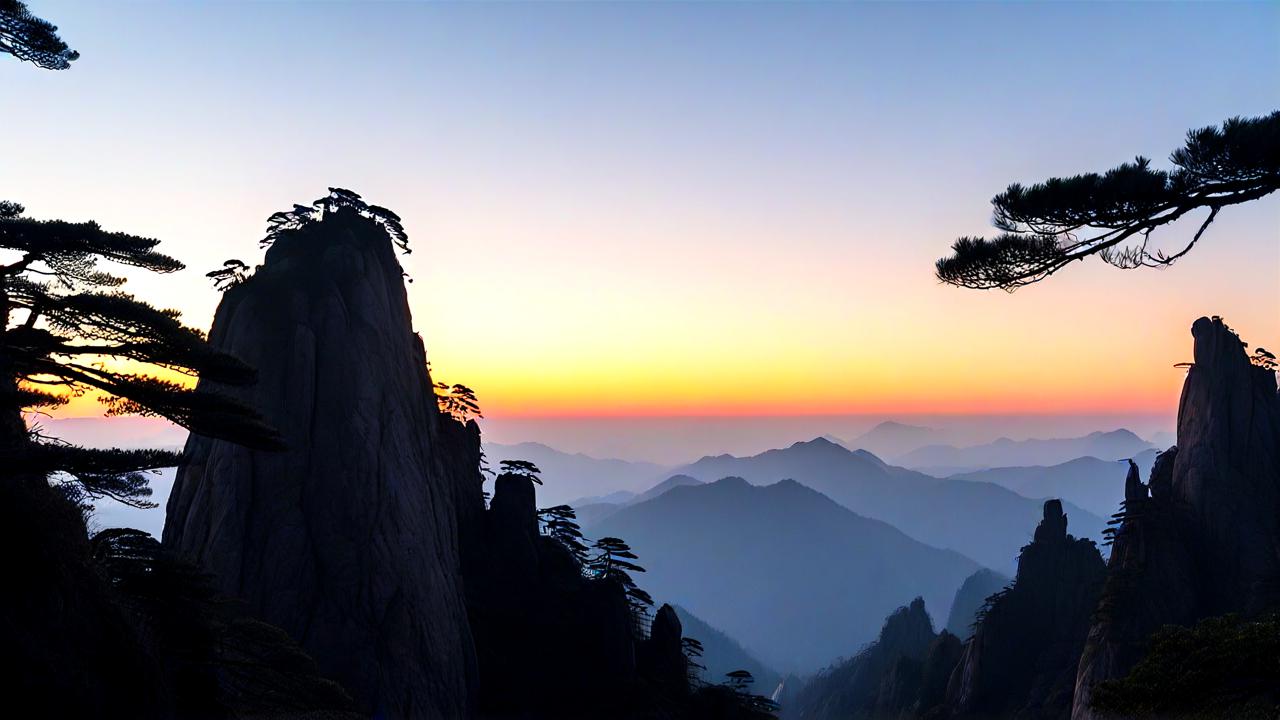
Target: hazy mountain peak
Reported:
point(732, 481)
point(867, 454)
point(1118, 434)
point(820, 580)
point(821, 442)
point(893, 426)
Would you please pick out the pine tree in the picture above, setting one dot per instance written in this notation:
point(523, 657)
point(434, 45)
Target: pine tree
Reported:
point(29, 38)
point(1113, 215)
point(521, 468)
point(613, 561)
point(560, 523)
point(66, 328)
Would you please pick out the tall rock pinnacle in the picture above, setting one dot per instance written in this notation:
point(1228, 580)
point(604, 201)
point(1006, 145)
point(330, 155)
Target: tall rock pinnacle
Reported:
point(1207, 540)
point(347, 540)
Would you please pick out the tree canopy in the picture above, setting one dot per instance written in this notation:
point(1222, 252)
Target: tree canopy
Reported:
point(337, 199)
point(1048, 225)
point(67, 329)
point(29, 38)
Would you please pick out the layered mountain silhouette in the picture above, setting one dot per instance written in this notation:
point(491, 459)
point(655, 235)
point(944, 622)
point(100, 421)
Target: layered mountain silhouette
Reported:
point(593, 510)
point(789, 573)
point(1179, 623)
point(892, 439)
point(1093, 484)
point(948, 460)
point(574, 476)
point(983, 521)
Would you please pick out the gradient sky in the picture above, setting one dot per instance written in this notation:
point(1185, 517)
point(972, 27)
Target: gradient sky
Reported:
point(677, 209)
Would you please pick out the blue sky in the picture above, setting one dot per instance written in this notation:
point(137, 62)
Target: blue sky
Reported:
point(648, 208)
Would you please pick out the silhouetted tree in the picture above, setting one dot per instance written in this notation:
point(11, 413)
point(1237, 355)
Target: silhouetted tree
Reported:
point(560, 524)
point(232, 273)
point(740, 680)
point(337, 199)
point(457, 401)
point(692, 652)
point(521, 468)
point(1050, 224)
point(66, 328)
point(1263, 358)
point(29, 38)
point(613, 561)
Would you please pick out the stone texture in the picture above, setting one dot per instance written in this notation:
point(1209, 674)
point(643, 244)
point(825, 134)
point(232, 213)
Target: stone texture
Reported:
point(1207, 540)
point(347, 540)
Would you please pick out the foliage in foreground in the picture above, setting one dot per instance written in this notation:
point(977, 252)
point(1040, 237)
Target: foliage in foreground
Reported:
point(1221, 667)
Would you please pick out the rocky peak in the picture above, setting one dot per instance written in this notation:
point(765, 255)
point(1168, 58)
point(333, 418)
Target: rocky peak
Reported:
point(348, 539)
point(1207, 541)
point(1023, 654)
point(908, 631)
point(1053, 526)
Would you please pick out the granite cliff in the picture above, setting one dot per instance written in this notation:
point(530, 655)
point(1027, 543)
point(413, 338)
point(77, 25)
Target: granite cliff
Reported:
point(348, 540)
point(1202, 538)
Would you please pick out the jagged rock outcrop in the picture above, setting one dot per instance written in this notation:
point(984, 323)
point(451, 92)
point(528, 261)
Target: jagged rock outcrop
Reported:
point(1206, 541)
point(660, 657)
point(348, 540)
point(1021, 661)
point(550, 641)
point(882, 681)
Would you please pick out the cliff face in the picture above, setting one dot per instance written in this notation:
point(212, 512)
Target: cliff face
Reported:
point(1206, 540)
point(348, 540)
point(550, 642)
point(1021, 660)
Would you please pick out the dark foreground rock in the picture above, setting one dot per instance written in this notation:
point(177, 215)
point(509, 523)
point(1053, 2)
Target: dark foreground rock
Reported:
point(883, 681)
point(347, 540)
point(1021, 661)
point(1202, 538)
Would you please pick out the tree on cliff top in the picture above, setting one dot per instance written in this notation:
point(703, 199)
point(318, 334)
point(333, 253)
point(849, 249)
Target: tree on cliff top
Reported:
point(338, 199)
point(66, 329)
point(29, 38)
point(1113, 215)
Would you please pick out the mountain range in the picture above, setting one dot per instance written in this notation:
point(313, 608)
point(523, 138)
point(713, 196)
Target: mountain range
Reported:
point(1093, 484)
point(566, 476)
point(949, 460)
point(789, 573)
point(980, 520)
point(892, 439)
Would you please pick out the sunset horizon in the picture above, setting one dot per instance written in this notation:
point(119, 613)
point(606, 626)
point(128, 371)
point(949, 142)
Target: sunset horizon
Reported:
point(612, 360)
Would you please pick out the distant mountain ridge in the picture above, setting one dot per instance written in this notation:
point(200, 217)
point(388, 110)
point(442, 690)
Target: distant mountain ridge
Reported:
point(1113, 445)
point(784, 570)
point(1093, 484)
point(568, 476)
point(892, 439)
point(983, 521)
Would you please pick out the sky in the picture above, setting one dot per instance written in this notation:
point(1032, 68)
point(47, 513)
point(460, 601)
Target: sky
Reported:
point(703, 210)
